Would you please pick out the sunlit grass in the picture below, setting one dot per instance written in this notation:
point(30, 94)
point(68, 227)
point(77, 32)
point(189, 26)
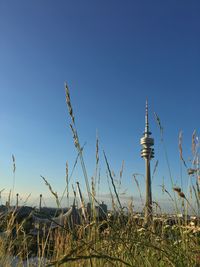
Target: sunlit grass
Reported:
point(119, 239)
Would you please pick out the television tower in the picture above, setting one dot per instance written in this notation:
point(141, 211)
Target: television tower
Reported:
point(147, 152)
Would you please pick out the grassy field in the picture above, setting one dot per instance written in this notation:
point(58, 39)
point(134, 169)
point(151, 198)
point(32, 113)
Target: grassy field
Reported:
point(118, 240)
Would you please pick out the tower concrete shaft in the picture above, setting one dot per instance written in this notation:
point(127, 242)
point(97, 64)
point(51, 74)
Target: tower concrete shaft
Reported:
point(147, 152)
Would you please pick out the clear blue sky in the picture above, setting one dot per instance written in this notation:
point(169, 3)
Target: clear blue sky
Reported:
point(113, 54)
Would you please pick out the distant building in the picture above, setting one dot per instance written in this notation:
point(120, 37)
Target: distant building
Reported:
point(100, 211)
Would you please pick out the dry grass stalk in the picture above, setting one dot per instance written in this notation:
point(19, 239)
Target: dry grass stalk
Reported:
point(180, 140)
point(75, 163)
point(197, 195)
point(67, 178)
point(138, 187)
point(110, 191)
point(97, 161)
point(198, 188)
point(14, 169)
point(89, 257)
point(164, 190)
point(14, 164)
point(112, 180)
point(194, 143)
point(121, 173)
point(76, 140)
point(93, 194)
point(75, 137)
point(51, 190)
point(68, 101)
point(157, 205)
point(71, 175)
point(93, 187)
point(159, 125)
point(154, 170)
point(97, 150)
point(74, 191)
point(195, 147)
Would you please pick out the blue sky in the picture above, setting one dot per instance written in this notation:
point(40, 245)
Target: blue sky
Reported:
point(113, 54)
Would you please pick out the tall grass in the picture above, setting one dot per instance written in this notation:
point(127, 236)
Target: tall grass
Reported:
point(120, 239)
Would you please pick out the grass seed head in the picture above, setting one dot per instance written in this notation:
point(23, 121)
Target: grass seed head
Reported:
point(181, 194)
point(177, 189)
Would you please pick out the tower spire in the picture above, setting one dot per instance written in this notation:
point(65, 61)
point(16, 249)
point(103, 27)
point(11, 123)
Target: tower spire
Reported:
point(147, 132)
point(146, 118)
point(147, 152)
